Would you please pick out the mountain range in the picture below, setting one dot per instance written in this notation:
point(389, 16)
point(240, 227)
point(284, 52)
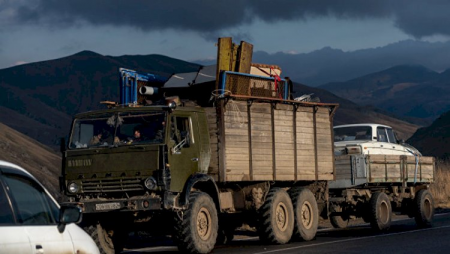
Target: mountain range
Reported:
point(413, 92)
point(334, 65)
point(39, 99)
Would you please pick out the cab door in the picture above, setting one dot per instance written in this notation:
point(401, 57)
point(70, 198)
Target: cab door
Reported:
point(183, 148)
point(388, 142)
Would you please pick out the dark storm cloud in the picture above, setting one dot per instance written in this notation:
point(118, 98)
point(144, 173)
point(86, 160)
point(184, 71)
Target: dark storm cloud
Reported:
point(415, 17)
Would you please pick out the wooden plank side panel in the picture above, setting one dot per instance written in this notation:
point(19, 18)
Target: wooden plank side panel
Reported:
point(211, 116)
point(262, 151)
point(306, 160)
point(343, 167)
point(284, 136)
point(236, 140)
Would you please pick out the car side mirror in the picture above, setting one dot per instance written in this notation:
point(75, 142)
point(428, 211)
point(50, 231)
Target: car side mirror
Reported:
point(67, 215)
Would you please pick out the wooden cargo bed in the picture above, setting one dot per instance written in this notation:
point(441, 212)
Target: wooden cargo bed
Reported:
point(262, 141)
point(352, 170)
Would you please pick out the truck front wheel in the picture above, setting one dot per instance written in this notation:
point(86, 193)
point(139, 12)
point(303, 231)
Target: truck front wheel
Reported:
point(306, 214)
point(109, 241)
point(424, 206)
point(380, 211)
point(276, 221)
point(196, 228)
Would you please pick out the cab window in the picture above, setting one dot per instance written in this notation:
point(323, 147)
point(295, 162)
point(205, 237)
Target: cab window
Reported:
point(391, 136)
point(32, 204)
point(381, 134)
point(181, 131)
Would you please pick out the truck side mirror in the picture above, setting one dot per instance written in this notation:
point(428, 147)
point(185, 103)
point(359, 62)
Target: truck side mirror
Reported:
point(62, 145)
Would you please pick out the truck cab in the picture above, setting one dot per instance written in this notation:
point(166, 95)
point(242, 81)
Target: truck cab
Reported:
point(369, 139)
point(128, 151)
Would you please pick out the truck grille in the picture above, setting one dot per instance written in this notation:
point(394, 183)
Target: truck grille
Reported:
point(106, 185)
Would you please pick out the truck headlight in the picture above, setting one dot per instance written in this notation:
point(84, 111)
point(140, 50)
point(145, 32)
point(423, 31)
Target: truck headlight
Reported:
point(150, 183)
point(73, 188)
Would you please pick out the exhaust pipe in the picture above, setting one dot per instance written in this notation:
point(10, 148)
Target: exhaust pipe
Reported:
point(148, 90)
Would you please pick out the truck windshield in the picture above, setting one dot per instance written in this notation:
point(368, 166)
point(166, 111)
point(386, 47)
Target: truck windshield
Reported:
point(118, 129)
point(352, 133)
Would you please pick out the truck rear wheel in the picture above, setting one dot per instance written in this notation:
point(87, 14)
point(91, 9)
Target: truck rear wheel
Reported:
point(196, 228)
point(338, 221)
point(306, 214)
point(424, 206)
point(276, 221)
point(108, 241)
point(380, 211)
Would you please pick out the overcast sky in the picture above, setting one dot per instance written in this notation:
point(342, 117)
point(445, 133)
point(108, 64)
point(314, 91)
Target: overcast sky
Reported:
point(37, 30)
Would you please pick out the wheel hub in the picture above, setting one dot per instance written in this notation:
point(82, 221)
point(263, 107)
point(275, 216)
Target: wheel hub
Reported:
point(204, 224)
point(281, 216)
point(307, 215)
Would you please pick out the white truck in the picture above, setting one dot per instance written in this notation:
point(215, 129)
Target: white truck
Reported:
point(377, 175)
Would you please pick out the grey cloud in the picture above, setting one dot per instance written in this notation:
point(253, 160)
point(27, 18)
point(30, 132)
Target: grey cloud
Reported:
point(415, 17)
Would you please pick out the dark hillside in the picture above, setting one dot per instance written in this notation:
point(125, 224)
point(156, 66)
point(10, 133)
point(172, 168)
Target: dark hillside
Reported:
point(39, 99)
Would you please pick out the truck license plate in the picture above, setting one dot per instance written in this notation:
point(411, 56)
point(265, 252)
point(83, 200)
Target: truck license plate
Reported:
point(107, 206)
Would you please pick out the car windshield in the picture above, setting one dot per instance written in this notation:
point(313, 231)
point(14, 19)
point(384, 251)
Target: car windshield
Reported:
point(352, 133)
point(118, 129)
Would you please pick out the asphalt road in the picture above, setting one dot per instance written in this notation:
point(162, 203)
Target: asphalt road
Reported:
point(403, 237)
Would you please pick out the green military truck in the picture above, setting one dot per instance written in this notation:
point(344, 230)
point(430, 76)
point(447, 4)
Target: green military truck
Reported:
point(251, 156)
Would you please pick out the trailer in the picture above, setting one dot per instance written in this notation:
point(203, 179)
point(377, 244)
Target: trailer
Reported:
point(376, 175)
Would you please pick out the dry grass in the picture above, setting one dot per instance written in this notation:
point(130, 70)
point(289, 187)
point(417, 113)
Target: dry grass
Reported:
point(440, 189)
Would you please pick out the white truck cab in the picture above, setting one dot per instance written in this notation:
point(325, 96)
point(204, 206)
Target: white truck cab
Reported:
point(369, 138)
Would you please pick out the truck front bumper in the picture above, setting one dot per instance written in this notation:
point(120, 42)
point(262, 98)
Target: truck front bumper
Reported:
point(134, 204)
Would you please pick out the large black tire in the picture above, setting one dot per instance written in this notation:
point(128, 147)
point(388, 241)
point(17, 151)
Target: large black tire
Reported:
point(424, 206)
point(276, 218)
point(108, 241)
point(306, 214)
point(380, 211)
point(196, 228)
point(337, 221)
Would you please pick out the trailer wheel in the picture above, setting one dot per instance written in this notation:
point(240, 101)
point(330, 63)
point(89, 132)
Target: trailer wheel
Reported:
point(196, 228)
point(306, 214)
point(338, 221)
point(424, 206)
point(380, 211)
point(108, 241)
point(276, 217)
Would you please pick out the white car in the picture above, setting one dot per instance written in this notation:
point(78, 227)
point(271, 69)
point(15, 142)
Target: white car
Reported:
point(369, 138)
point(31, 221)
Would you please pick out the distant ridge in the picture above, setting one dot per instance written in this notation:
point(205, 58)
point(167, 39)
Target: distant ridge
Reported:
point(413, 92)
point(434, 140)
point(334, 65)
